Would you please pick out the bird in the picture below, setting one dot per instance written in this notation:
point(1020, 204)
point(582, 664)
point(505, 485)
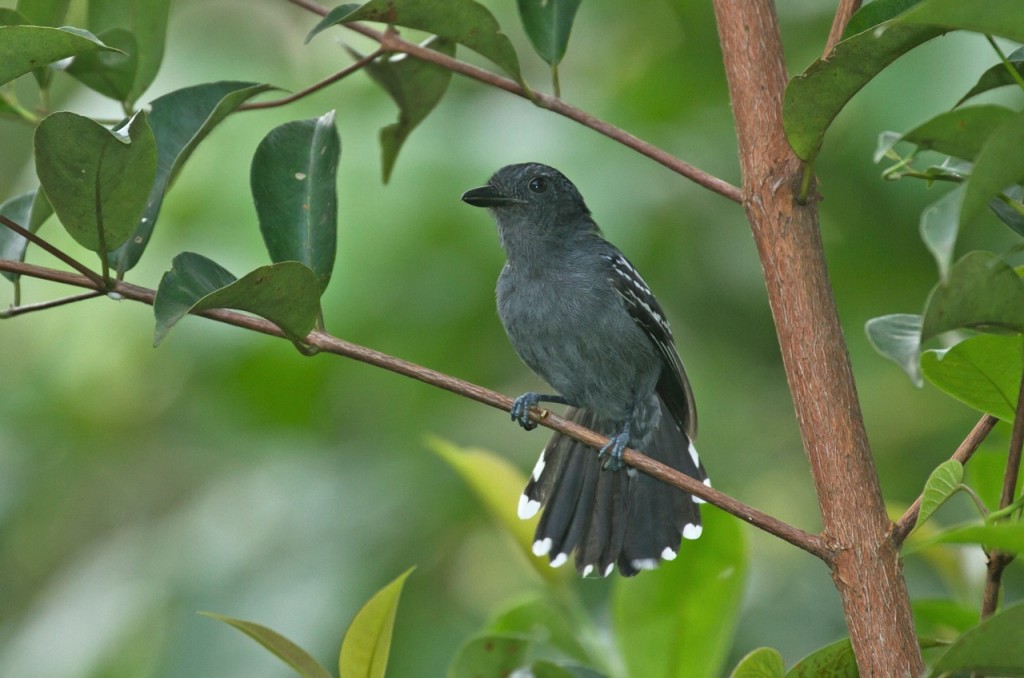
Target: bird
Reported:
point(581, 317)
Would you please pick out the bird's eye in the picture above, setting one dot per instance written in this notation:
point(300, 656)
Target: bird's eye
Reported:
point(539, 184)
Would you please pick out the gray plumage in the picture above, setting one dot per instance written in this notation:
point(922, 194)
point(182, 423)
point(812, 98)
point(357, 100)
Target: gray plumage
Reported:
point(582, 318)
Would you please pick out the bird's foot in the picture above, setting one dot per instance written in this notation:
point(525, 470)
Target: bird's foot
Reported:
point(521, 409)
point(613, 450)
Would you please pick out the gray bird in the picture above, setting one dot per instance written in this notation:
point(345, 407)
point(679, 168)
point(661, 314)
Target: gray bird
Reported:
point(581, 317)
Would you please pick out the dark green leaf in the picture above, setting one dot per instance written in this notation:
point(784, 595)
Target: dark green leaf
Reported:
point(1008, 214)
point(10, 17)
point(293, 178)
point(417, 87)
point(814, 98)
point(1001, 17)
point(898, 338)
point(367, 643)
point(1005, 537)
point(144, 19)
point(982, 372)
point(490, 655)
point(995, 168)
point(961, 132)
point(874, 13)
point(939, 225)
point(997, 76)
point(548, 24)
point(542, 622)
point(835, 661)
point(96, 180)
point(982, 293)
point(938, 616)
point(546, 669)
point(110, 73)
point(649, 611)
point(463, 21)
point(44, 12)
point(286, 294)
point(28, 210)
point(993, 647)
point(23, 48)
point(285, 650)
point(764, 662)
point(942, 483)
point(180, 120)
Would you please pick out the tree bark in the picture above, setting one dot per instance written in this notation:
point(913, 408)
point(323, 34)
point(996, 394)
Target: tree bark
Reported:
point(865, 567)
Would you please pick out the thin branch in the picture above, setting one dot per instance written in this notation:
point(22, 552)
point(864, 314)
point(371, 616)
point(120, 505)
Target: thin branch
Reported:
point(389, 41)
point(329, 80)
point(846, 9)
point(55, 251)
point(963, 453)
point(330, 344)
point(46, 305)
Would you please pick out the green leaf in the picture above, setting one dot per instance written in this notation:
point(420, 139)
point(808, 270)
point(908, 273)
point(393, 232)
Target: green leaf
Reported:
point(489, 655)
point(872, 14)
point(939, 226)
point(28, 210)
point(1001, 17)
point(44, 12)
point(898, 338)
point(293, 178)
point(994, 167)
point(1009, 215)
point(982, 293)
point(96, 180)
point(284, 649)
point(548, 24)
point(942, 483)
point(814, 98)
point(286, 294)
point(982, 372)
point(111, 74)
point(24, 48)
point(961, 132)
point(764, 662)
point(938, 616)
point(1005, 536)
point(997, 76)
point(417, 87)
point(180, 120)
point(993, 647)
point(697, 596)
point(542, 622)
point(835, 661)
point(547, 669)
point(144, 19)
point(463, 21)
point(367, 643)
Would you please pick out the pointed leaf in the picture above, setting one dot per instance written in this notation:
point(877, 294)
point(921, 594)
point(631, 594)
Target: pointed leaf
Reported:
point(942, 483)
point(180, 120)
point(872, 14)
point(982, 372)
point(490, 655)
point(993, 647)
point(29, 210)
point(898, 338)
point(286, 294)
point(548, 24)
point(111, 74)
point(997, 76)
point(144, 19)
point(940, 222)
point(367, 643)
point(961, 132)
point(293, 178)
point(1005, 536)
point(417, 87)
point(835, 661)
point(464, 21)
point(1001, 17)
point(764, 662)
point(96, 180)
point(44, 12)
point(982, 293)
point(994, 167)
point(24, 48)
point(285, 650)
point(1010, 215)
point(652, 611)
point(542, 622)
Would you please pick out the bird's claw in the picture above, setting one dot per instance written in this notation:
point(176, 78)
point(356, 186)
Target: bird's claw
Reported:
point(521, 410)
point(613, 449)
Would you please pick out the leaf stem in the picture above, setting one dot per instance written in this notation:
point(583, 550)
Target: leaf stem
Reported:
point(1014, 73)
point(315, 87)
point(96, 279)
point(17, 309)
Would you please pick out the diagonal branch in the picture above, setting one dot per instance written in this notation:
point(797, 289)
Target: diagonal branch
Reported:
point(846, 9)
point(96, 279)
point(389, 41)
point(315, 87)
point(330, 344)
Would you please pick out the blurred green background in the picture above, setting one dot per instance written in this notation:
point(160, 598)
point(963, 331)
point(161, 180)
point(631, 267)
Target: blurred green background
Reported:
point(226, 472)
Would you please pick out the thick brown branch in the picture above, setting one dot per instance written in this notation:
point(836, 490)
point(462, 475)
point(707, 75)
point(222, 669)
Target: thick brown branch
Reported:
point(846, 9)
point(905, 525)
point(330, 344)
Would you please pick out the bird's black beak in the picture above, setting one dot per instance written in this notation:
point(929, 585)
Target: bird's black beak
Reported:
point(488, 196)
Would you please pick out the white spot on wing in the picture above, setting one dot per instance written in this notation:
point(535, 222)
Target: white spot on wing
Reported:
point(527, 507)
point(541, 547)
point(693, 456)
point(645, 563)
point(539, 468)
point(698, 500)
point(668, 554)
point(587, 570)
point(608, 570)
point(692, 531)
point(559, 560)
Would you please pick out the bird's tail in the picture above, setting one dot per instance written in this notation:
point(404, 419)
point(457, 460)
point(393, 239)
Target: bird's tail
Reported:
point(610, 518)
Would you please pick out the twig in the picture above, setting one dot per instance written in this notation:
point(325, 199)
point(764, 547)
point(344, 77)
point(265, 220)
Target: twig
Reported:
point(55, 251)
point(963, 453)
point(330, 80)
point(330, 344)
point(389, 41)
point(846, 9)
point(44, 305)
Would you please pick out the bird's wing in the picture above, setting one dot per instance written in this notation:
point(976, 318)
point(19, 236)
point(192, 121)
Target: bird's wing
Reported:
point(673, 386)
